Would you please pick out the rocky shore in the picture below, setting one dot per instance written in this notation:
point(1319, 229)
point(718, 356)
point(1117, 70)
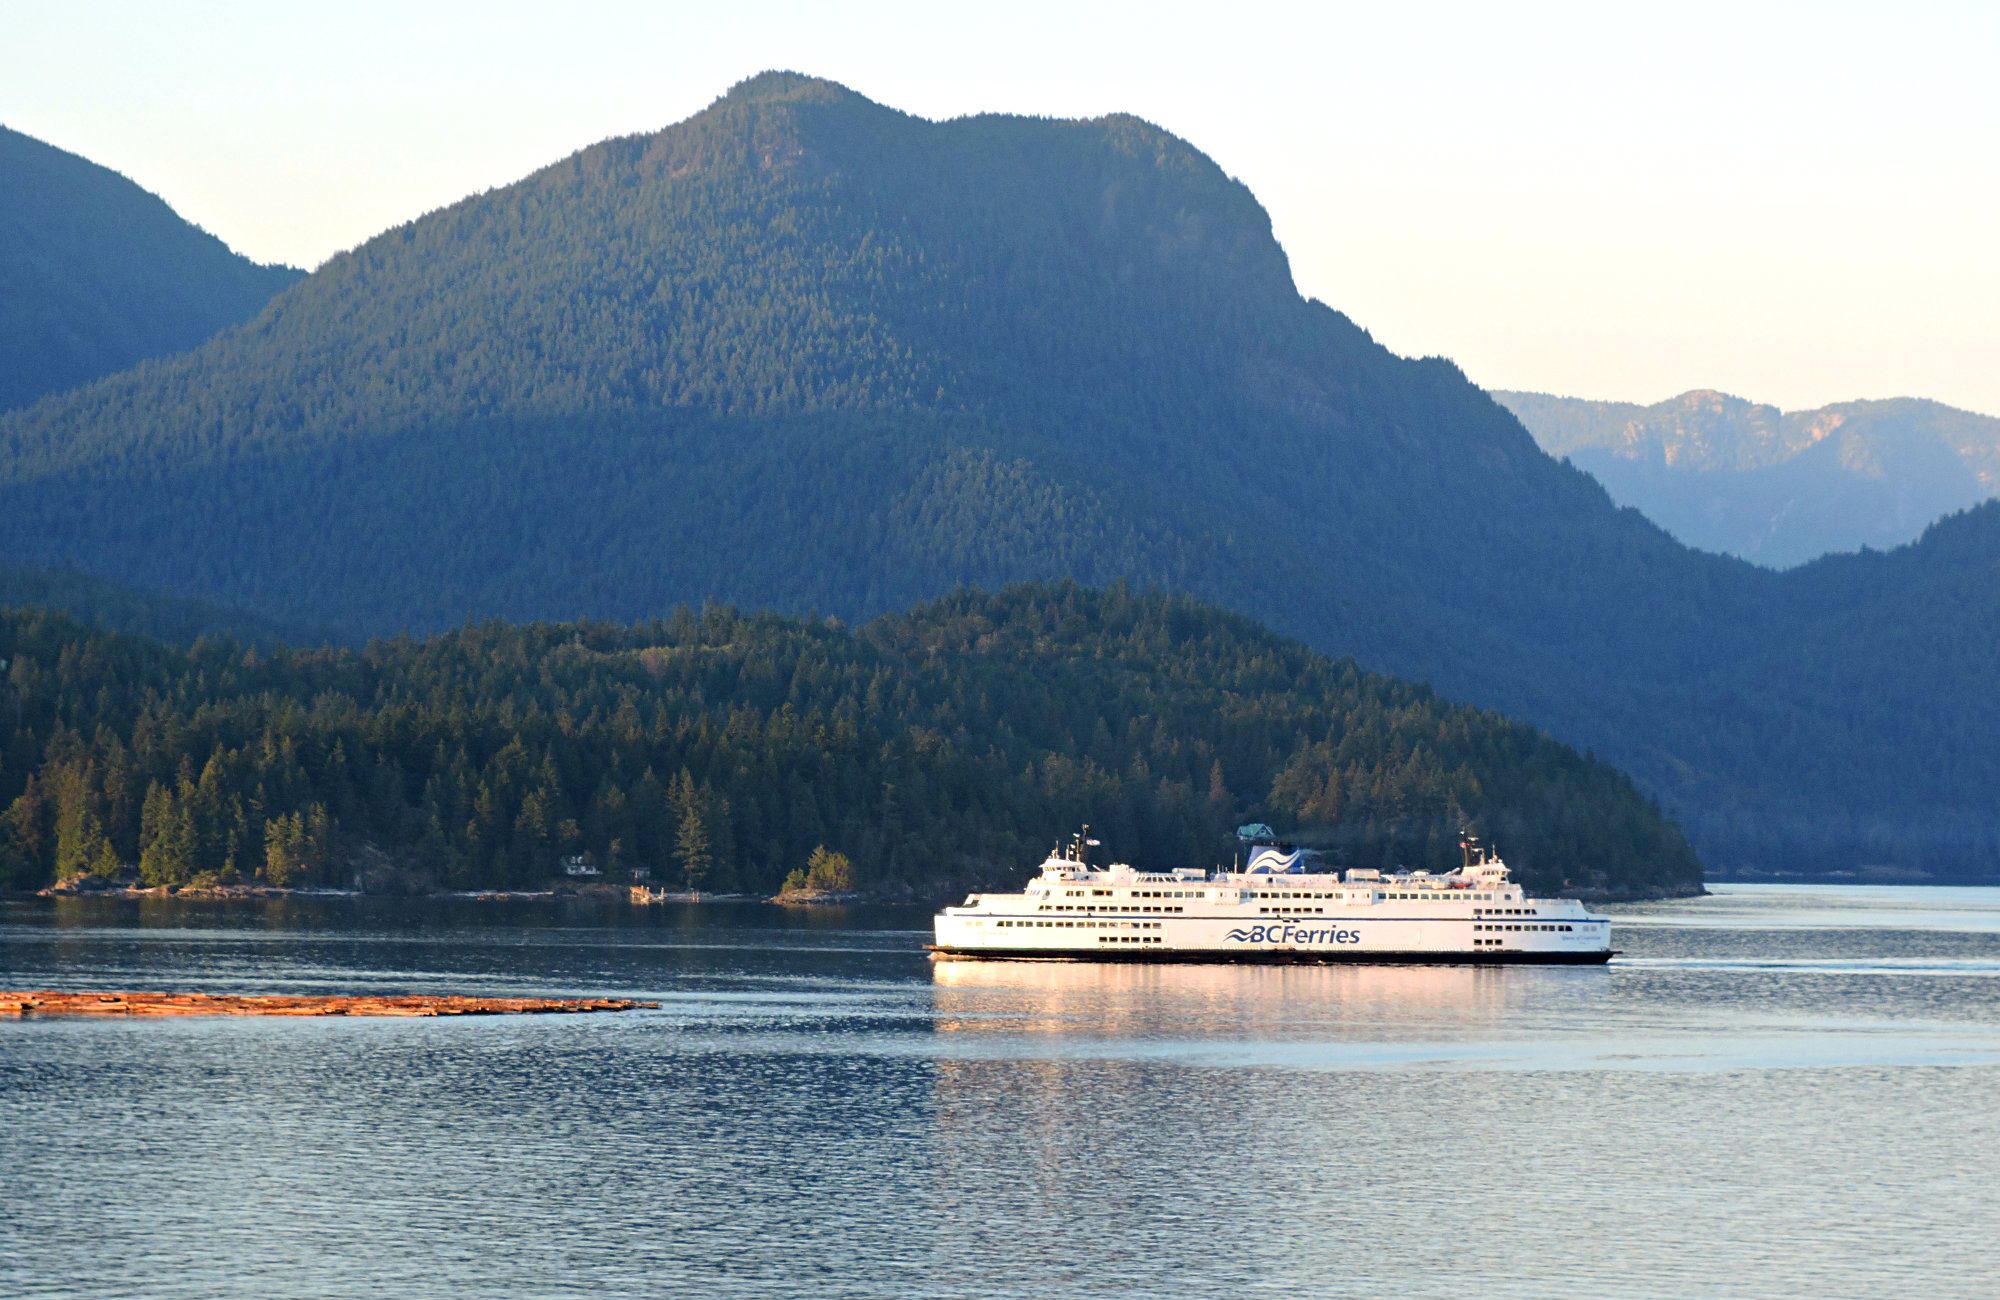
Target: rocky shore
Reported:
point(92, 887)
point(48, 1002)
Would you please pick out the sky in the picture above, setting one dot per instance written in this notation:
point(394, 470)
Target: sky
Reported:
point(1795, 203)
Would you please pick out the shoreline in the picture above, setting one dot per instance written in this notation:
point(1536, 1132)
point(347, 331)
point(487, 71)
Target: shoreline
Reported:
point(645, 896)
point(634, 895)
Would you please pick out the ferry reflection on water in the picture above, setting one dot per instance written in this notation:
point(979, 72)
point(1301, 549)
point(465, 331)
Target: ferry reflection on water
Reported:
point(1361, 1004)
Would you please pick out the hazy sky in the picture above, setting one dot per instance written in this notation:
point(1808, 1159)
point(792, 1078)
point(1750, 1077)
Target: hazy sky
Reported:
point(1799, 203)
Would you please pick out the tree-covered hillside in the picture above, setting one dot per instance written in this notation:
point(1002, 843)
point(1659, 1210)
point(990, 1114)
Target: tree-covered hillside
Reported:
point(96, 274)
point(947, 746)
point(805, 352)
point(1776, 487)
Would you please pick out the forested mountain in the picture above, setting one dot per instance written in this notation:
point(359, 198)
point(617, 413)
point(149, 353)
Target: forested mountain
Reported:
point(805, 352)
point(1776, 487)
point(949, 745)
point(97, 274)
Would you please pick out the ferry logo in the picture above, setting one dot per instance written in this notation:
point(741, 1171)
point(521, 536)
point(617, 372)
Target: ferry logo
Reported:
point(1288, 933)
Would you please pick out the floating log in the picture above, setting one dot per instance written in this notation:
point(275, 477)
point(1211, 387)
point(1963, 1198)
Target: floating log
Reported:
point(48, 1002)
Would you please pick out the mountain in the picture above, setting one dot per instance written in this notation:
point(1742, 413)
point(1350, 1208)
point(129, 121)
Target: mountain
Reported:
point(936, 748)
point(96, 274)
point(804, 352)
point(1775, 487)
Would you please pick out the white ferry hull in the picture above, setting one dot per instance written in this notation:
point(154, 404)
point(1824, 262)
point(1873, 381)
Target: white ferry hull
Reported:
point(1570, 940)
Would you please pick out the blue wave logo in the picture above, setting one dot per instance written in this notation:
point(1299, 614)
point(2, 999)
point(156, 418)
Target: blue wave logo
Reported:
point(1240, 936)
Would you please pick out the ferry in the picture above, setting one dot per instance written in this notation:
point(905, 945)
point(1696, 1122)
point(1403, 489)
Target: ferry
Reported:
point(1273, 909)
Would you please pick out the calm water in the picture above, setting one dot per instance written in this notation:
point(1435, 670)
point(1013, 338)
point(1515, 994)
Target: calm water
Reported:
point(1776, 1091)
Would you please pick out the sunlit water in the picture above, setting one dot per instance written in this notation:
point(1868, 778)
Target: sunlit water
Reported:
point(1774, 1091)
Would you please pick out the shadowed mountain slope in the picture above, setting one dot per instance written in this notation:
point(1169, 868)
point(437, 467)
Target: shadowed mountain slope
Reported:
point(806, 352)
point(97, 274)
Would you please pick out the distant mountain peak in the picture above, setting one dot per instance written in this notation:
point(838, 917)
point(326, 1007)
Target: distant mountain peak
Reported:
point(1778, 487)
point(1710, 399)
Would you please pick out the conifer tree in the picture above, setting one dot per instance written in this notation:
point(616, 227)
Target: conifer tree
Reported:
point(284, 845)
point(691, 842)
point(168, 856)
point(80, 841)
